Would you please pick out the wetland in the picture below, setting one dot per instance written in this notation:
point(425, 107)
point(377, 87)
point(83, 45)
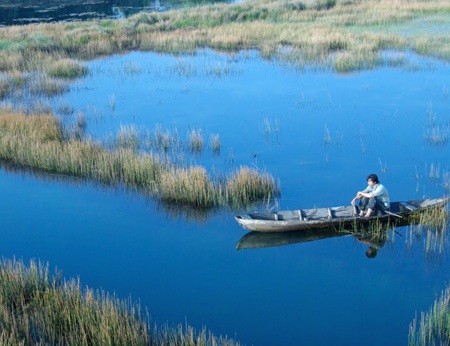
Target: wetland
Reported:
point(313, 109)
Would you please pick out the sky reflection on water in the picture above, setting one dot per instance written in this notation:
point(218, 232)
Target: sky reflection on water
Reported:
point(316, 293)
point(376, 119)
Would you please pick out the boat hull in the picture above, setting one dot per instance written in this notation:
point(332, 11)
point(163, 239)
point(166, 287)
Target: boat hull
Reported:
point(336, 217)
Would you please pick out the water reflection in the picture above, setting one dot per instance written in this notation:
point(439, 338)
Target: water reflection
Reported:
point(374, 236)
point(14, 12)
point(171, 211)
point(258, 240)
point(431, 238)
point(374, 240)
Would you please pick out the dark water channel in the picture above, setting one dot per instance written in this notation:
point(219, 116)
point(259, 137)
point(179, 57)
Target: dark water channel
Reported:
point(19, 12)
point(318, 132)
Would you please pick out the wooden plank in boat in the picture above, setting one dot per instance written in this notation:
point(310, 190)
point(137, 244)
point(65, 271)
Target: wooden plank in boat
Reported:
point(408, 206)
point(330, 213)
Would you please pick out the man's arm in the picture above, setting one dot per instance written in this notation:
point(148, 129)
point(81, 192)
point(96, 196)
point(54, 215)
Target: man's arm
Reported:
point(361, 194)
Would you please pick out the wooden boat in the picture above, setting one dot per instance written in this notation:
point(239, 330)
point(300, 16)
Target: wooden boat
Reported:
point(297, 220)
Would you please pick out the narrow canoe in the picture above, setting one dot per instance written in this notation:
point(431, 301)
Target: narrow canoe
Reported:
point(303, 219)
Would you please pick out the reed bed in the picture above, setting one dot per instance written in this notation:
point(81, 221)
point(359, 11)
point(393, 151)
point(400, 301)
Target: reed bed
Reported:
point(40, 142)
point(67, 69)
point(340, 34)
point(247, 185)
point(433, 327)
point(38, 308)
point(196, 141)
point(431, 226)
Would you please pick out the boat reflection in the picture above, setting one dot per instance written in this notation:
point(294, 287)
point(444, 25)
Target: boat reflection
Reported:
point(374, 237)
point(258, 240)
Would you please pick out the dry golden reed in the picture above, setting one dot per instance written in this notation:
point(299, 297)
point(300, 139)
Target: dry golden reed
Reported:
point(39, 142)
point(341, 34)
point(38, 308)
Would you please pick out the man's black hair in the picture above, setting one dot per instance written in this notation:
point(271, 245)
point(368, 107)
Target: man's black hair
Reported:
point(373, 177)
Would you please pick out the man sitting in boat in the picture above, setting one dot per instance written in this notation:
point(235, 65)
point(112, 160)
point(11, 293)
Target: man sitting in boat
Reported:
point(374, 198)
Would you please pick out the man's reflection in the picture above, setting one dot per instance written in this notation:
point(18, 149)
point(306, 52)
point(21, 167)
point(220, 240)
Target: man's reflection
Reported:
point(375, 240)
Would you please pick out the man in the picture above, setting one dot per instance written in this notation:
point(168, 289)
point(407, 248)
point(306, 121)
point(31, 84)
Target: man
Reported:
point(373, 198)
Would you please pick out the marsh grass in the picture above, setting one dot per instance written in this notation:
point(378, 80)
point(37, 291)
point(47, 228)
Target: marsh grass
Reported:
point(446, 180)
point(66, 69)
point(326, 136)
point(342, 35)
point(437, 131)
point(40, 142)
point(44, 86)
point(435, 171)
point(196, 141)
point(246, 185)
point(383, 166)
point(267, 126)
point(37, 307)
point(165, 139)
point(128, 138)
point(433, 327)
point(215, 144)
point(430, 226)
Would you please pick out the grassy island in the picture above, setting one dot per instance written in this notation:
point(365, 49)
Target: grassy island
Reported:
point(38, 141)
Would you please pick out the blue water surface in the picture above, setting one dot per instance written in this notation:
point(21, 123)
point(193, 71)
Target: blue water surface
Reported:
point(187, 270)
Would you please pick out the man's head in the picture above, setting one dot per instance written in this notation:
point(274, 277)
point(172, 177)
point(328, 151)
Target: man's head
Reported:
point(371, 252)
point(372, 178)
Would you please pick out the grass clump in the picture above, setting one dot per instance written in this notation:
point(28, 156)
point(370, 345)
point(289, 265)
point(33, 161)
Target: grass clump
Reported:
point(196, 141)
point(433, 328)
point(39, 142)
point(66, 69)
point(37, 308)
point(431, 225)
point(248, 184)
point(190, 186)
point(215, 144)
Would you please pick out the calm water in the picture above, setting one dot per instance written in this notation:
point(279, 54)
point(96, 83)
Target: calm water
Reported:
point(316, 293)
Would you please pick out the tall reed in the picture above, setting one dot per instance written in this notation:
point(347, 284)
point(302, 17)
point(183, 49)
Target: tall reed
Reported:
point(431, 225)
point(38, 308)
point(39, 142)
point(433, 327)
point(342, 35)
point(246, 185)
